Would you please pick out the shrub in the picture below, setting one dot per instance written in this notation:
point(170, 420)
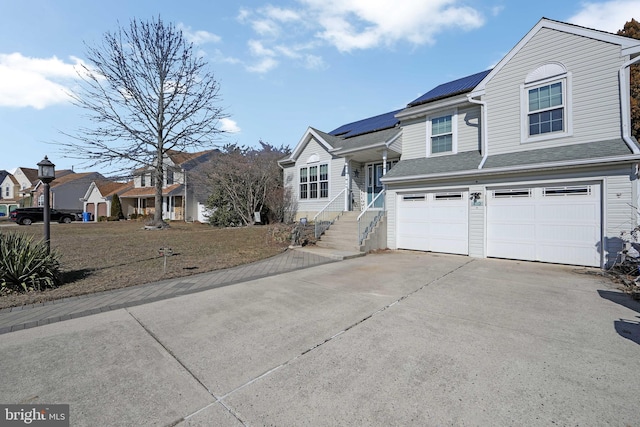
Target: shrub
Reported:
point(26, 265)
point(102, 218)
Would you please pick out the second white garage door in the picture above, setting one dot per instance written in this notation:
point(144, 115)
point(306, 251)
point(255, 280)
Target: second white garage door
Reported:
point(436, 222)
point(556, 223)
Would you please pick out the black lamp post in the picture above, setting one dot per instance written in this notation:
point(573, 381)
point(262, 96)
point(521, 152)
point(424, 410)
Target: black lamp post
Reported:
point(46, 174)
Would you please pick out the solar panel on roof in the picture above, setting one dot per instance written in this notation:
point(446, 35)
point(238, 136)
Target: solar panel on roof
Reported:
point(371, 124)
point(450, 88)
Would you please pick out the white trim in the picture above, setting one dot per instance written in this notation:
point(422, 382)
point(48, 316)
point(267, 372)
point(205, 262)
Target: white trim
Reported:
point(625, 104)
point(628, 45)
point(567, 89)
point(306, 138)
point(510, 169)
point(485, 129)
point(454, 132)
point(424, 109)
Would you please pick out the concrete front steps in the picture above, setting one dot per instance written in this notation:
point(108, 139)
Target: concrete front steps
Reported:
point(343, 234)
point(341, 239)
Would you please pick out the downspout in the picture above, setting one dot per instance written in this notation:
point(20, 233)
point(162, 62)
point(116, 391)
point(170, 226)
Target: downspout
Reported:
point(625, 99)
point(485, 131)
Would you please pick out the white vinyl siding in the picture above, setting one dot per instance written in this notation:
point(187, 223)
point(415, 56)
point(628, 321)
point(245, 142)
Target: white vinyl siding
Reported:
point(413, 139)
point(396, 145)
point(315, 151)
point(477, 223)
point(595, 98)
point(469, 128)
point(620, 213)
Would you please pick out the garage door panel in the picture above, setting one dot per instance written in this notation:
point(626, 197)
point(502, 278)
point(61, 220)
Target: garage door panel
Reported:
point(511, 212)
point(506, 232)
point(560, 224)
point(430, 224)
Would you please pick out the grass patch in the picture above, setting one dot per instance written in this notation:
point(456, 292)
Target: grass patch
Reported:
point(112, 255)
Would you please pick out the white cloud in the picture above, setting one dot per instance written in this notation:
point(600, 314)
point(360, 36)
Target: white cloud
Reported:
point(35, 82)
point(198, 37)
point(264, 65)
point(608, 15)
point(349, 25)
point(364, 24)
point(229, 125)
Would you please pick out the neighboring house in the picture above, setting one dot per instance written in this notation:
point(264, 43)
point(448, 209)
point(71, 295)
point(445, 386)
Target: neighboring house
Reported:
point(9, 198)
point(67, 190)
point(181, 199)
point(28, 180)
point(98, 198)
point(531, 160)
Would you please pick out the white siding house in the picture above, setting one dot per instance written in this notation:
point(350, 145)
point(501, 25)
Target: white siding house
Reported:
point(530, 160)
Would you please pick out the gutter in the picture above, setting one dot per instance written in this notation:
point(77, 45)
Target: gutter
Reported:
point(510, 169)
point(485, 131)
point(626, 105)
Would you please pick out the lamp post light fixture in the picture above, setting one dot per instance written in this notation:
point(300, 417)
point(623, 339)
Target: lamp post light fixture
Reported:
point(46, 174)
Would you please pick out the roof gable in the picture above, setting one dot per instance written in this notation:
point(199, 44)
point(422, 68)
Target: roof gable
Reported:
point(628, 45)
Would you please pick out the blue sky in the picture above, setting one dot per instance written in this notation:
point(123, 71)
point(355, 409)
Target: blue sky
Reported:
point(282, 65)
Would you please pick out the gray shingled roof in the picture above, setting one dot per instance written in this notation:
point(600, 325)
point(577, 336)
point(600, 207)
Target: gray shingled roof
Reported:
point(433, 165)
point(333, 141)
point(616, 147)
point(469, 161)
point(368, 139)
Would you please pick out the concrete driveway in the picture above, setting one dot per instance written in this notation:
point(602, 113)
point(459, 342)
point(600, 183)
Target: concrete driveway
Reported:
point(398, 338)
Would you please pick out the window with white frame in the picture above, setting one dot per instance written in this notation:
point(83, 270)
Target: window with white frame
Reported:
point(41, 200)
point(546, 109)
point(143, 180)
point(314, 182)
point(6, 192)
point(546, 103)
point(441, 134)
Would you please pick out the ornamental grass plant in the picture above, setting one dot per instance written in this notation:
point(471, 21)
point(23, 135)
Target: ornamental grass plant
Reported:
point(27, 265)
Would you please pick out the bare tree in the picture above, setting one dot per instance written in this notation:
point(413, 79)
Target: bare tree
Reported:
point(244, 181)
point(145, 92)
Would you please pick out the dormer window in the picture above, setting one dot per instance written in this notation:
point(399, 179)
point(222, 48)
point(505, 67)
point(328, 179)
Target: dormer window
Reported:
point(546, 103)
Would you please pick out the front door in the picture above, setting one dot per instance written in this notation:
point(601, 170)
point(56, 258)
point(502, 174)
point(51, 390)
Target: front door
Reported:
point(374, 186)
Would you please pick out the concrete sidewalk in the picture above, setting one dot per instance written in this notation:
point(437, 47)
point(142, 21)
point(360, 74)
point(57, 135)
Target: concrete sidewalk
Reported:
point(397, 338)
point(29, 316)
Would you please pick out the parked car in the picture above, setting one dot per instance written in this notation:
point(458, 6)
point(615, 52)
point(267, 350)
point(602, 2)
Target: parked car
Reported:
point(27, 216)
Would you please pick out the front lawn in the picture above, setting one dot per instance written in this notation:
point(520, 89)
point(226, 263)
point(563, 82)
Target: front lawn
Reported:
point(112, 255)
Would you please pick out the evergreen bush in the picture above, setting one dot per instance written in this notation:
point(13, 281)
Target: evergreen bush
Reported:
point(26, 265)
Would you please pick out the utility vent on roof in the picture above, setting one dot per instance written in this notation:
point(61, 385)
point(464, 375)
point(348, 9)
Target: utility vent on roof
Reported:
point(512, 192)
point(448, 196)
point(583, 190)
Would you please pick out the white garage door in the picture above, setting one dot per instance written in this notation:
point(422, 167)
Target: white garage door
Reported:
point(556, 223)
point(436, 222)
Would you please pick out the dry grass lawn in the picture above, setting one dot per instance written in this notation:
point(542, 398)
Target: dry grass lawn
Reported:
point(112, 255)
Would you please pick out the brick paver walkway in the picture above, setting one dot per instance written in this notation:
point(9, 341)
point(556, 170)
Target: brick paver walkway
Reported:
point(29, 316)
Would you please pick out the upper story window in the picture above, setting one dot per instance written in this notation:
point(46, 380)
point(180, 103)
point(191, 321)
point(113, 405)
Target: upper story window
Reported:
point(153, 180)
point(143, 180)
point(314, 181)
point(169, 177)
point(546, 109)
point(546, 103)
point(6, 192)
point(441, 132)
